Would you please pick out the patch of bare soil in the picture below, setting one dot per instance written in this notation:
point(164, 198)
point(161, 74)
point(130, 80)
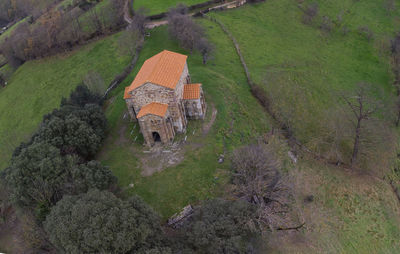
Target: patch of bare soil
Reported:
point(160, 157)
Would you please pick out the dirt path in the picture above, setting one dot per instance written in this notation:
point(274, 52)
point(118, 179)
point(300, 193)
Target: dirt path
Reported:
point(127, 13)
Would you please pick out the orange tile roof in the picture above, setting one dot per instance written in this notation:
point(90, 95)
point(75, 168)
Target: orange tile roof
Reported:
point(164, 69)
point(126, 93)
point(153, 108)
point(191, 91)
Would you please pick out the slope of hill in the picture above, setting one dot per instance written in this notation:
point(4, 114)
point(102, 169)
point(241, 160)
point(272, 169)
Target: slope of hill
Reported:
point(302, 66)
point(351, 212)
point(38, 86)
point(306, 66)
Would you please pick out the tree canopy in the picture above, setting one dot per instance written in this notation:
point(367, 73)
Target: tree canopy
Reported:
point(100, 222)
point(220, 226)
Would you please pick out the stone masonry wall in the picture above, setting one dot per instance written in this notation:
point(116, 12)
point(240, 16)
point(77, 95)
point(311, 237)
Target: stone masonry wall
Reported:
point(163, 126)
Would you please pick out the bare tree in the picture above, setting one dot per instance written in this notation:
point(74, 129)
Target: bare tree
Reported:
point(310, 12)
point(390, 6)
point(132, 37)
point(257, 179)
point(182, 28)
point(205, 48)
point(139, 21)
point(190, 35)
point(327, 24)
point(363, 106)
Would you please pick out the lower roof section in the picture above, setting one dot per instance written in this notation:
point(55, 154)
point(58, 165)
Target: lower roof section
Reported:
point(154, 108)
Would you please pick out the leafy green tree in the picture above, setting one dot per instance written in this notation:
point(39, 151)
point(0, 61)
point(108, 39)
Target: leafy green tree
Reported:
point(99, 222)
point(74, 130)
point(71, 135)
point(37, 174)
point(220, 226)
point(92, 175)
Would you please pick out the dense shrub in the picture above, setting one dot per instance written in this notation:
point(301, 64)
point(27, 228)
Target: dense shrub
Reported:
point(82, 96)
point(99, 222)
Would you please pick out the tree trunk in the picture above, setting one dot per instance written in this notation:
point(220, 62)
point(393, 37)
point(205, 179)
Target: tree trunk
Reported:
point(356, 142)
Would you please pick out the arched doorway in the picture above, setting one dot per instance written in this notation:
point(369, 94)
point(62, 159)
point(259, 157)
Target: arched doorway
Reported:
point(156, 137)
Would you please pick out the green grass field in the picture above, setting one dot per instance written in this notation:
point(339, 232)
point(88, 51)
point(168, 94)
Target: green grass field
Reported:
point(305, 67)
point(38, 86)
point(158, 6)
point(239, 120)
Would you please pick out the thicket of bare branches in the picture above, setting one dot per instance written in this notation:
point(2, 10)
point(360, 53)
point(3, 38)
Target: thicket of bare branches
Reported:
point(59, 32)
point(310, 12)
point(132, 36)
point(190, 35)
point(257, 178)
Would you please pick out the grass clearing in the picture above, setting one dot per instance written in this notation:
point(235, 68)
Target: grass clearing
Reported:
point(38, 86)
point(159, 6)
point(199, 176)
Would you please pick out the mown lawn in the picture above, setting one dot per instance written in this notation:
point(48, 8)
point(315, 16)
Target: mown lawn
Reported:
point(309, 66)
point(38, 86)
point(199, 176)
point(159, 6)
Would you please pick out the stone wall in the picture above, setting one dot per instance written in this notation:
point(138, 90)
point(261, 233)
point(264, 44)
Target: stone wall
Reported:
point(150, 124)
point(196, 109)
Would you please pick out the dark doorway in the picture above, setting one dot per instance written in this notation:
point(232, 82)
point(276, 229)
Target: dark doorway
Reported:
point(156, 137)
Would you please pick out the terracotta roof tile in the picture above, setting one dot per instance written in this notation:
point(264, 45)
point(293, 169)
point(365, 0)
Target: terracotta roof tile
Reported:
point(191, 91)
point(164, 69)
point(153, 108)
point(126, 93)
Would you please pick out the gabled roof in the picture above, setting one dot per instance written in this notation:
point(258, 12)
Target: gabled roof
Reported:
point(163, 69)
point(153, 108)
point(191, 91)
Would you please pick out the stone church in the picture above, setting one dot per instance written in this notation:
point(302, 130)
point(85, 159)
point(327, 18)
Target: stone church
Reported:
point(161, 97)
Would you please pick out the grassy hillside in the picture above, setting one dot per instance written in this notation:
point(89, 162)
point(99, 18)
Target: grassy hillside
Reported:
point(158, 6)
point(302, 65)
point(38, 86)
point(199, 176)
point(351, 213)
